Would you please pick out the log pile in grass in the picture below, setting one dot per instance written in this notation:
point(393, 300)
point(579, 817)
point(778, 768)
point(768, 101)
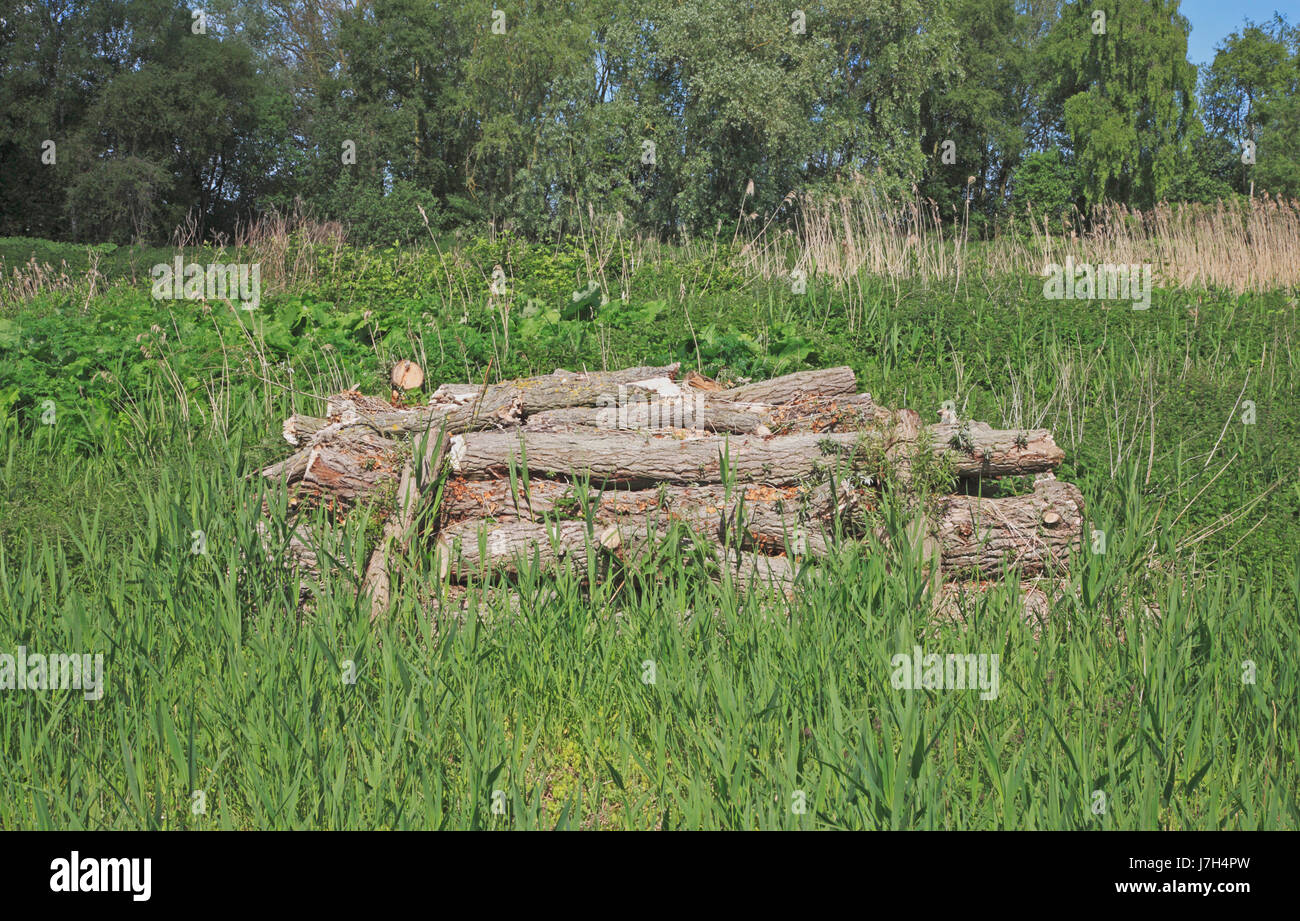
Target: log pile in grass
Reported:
point(586, 471)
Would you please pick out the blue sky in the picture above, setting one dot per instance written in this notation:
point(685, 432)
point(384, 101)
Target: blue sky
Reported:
point(1212, 20)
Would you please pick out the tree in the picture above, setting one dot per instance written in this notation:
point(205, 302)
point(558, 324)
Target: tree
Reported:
point(54, 55)
point(1046, 186)
point(982, 116)
point(1127, 94)
point(1249, 95)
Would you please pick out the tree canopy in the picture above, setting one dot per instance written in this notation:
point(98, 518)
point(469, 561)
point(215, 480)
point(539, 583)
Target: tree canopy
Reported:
point(121, 119)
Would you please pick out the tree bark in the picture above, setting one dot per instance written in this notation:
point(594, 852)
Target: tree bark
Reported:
point(1036, 532)
point(634, 458)
point(300, 429)
point(505, 546)
point(772, 519)
point(302, 550)
point(791, 387)
point(637, 458)
point(841, 413)
point(552, 391)
point(475, 547)
point(757, 572)
point(710, 413)
point(412, 495)
point(981, 450)
point(689, 411)
point(344, 464)
point(1033, 533)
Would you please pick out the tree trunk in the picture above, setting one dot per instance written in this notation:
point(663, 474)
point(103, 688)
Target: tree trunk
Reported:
point(840, 413)
point(346, 465)
point(301, 430)
point(552, 391)
point(690, 411)
point(772, 519)
point(981, 450)
point(756, 572)
point(1035, 532)
point(791, 387)
point(711, 413)
point(636, 458)
point(475, 547)
point(412, 494)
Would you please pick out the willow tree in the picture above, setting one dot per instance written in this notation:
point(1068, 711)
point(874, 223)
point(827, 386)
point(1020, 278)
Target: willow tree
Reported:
point(781, 97)
point(1127, 93)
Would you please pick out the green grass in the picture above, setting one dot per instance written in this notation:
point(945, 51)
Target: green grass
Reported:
point(218, 680)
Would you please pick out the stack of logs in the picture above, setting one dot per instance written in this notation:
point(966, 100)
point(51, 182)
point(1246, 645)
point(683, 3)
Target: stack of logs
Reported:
point(559, 469)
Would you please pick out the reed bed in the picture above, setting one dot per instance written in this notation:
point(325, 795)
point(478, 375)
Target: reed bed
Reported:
point(1240, 245)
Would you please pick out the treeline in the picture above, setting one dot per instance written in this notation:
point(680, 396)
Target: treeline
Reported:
point(123, 119)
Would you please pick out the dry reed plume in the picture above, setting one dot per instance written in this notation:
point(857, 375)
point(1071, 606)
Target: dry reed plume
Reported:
point(1240, 245)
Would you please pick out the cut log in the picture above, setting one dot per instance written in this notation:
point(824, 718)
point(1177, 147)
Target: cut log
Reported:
point(346, 413)
point(710, 413)
point(407, 375)
point(957, 602)
point(344, 464)
point(290, 469)
point(460, 392)
point(640, 415)
point(806, 452)
point(412, 495)
point(473, 548)
point(983, 451)
point(311, 554)
point(840, 413)
point(1036, 532)
point(376, 581)
point(638, 458)
point(349, 462)
point(756, 572)
point(552, 391)
point(791, 387)
point(773, 519)
point(469, 407)
point(634, 458)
